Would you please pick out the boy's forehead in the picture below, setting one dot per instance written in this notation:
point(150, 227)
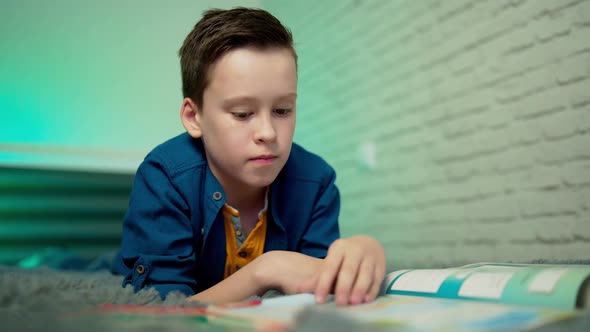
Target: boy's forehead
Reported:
point(245, 72)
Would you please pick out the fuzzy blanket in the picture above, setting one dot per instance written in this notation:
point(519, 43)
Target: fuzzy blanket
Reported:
point(45, 299)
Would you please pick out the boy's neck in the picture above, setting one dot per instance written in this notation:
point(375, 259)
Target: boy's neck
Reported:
point(245, 199)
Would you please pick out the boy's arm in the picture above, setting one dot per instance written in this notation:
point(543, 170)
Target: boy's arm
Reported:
point(158, 239)
point(279, 270)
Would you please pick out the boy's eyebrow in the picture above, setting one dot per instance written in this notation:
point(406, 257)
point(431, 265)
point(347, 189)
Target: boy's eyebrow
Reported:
point(247, 99)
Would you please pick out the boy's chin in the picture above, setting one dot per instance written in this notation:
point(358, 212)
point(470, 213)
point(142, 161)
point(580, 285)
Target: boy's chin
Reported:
point(261, 181)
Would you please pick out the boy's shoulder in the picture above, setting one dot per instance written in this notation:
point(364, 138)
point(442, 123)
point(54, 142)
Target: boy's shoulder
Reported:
point(304, 165)
point(179, 153)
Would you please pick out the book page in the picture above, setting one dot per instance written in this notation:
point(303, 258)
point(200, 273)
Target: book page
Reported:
point(388, 279)
point(488, 285)
point(545, 281)
point(533, 284)
point(427, 281)
point(408, 313)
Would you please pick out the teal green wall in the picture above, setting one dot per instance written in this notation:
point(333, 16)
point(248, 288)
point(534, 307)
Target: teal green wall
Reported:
point(82, 79)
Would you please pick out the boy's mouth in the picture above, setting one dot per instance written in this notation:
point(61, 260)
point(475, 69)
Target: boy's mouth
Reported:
point(263, 159)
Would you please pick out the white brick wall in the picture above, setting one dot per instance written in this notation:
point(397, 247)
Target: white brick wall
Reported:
point(480, 114)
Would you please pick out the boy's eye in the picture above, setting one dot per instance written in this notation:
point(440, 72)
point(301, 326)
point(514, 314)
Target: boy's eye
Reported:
point(241, 115)
point(282, 111)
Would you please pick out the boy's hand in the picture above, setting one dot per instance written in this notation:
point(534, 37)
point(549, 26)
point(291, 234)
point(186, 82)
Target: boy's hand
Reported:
point(285, 271)
point(280, 270)
point(354, 269)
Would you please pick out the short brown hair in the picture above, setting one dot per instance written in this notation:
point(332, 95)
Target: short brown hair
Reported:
point(220, 31)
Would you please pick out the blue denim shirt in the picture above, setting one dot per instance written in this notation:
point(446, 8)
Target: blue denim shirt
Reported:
point(173, 231)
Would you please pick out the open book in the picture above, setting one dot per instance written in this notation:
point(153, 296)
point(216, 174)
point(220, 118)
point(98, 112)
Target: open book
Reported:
point(476, 297)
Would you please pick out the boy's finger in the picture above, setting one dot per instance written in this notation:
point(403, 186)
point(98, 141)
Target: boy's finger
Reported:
point(346, 279)
point(364, 282)
point(327, 276)
point(376, 287)
point(374, 291)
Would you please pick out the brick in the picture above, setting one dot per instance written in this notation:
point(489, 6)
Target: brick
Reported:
point(554, 203)
point(442, 214)
point(521, 39)
point(508, 92)
point(575, 68)
point(539, 177)
point(584, 196)
point(508, 18)
point(494, 233)
point(540, 104)
point(520, 253)
point(577, 93)
point(553, 26)
point(403, 217)
point(576, 173)
point(444, 152)
point(579, 146)
point(517, 157)
point(557, 47)
point(497, 119)
point(538, 7)
point(560, 125)
point(471, 102)
point(465, 60)
point(550, 231)
point(553, 152)
point(461, 127)
point(532, 57)
point(577, 41)
point(583, 13)
point(494, 209)
point(435, 193)
point(584, 124)
point(488, 184)
point(411, 177)
point(462, 171)
point(489, 142)
point(541, 78)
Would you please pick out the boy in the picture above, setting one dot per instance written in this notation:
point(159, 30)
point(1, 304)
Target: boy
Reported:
point(233, 208)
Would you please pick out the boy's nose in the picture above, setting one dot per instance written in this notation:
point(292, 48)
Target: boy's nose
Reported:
point(265, 130)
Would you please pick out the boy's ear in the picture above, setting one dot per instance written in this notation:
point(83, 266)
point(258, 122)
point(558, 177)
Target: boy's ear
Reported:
point(191, 117)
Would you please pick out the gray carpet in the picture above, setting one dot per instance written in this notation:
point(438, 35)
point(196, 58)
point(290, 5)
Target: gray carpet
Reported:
point(44, 299)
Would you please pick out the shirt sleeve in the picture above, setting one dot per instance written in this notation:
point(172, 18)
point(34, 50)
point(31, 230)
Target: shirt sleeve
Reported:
point(323, 227)
point(157, 243)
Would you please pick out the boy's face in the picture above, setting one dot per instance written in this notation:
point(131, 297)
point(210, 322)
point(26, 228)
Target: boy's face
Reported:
point(247, 118)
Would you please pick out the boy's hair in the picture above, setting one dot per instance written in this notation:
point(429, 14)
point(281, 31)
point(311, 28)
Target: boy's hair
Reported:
point(220, 31)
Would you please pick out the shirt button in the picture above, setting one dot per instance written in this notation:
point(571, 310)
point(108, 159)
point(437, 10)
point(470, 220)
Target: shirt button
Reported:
point(202, 231)
point(139, 269)
point(238, 232)
point(243, 254)
point(217, 195)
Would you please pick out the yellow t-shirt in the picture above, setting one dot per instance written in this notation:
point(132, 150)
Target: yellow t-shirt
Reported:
point(240, 251)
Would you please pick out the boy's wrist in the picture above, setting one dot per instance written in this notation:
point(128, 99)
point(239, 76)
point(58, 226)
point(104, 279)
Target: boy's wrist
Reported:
point(265, 273)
